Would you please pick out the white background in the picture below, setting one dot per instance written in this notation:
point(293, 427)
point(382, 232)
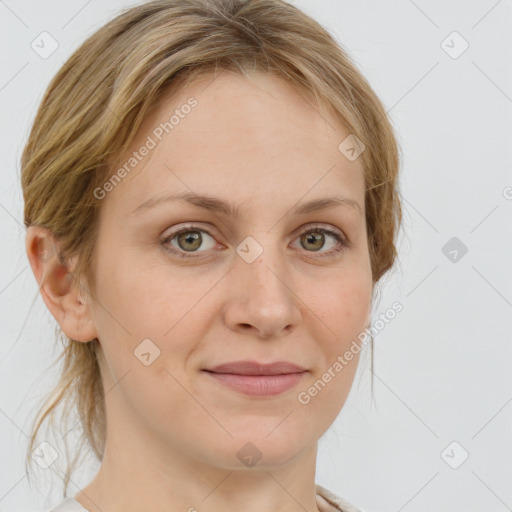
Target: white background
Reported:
point(443, 365)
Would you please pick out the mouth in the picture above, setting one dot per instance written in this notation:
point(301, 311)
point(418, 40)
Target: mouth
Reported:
point(258, 385)
point(256, 368)
point(255, 378)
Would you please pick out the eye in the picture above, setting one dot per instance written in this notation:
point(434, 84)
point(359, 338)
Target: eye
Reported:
point(314, 239)
point(186, 241)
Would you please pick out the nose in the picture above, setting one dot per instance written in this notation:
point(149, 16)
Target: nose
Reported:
point(262, 300)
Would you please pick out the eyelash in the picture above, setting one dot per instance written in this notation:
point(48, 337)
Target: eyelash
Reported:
point(342, 243)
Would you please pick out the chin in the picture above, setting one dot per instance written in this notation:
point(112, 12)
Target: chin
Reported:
point(260, 451)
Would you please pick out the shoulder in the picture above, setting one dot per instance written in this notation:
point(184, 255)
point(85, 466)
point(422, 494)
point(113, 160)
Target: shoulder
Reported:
point(328, 501)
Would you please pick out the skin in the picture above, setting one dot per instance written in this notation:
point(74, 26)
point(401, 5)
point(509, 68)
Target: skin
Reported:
point(173, 432)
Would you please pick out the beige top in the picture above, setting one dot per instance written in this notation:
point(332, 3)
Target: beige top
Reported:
point(326, 500)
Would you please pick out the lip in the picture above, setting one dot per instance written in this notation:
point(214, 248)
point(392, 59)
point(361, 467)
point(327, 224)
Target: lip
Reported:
point(257, 379)
point(255, 368)
point(258, 385)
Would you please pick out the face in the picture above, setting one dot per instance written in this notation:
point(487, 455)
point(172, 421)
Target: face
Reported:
point(183, 286)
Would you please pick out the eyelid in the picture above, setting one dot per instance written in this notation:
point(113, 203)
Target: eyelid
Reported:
point(190, 226)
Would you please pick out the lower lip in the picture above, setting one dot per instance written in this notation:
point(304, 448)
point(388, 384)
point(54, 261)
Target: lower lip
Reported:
point(259, 385)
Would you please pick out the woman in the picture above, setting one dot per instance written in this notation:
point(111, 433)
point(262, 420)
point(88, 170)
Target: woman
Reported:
point(211, 197)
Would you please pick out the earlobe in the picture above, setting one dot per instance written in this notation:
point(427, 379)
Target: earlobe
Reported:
point(64, 296)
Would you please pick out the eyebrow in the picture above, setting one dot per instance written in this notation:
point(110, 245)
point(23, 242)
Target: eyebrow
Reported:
point(217, 205)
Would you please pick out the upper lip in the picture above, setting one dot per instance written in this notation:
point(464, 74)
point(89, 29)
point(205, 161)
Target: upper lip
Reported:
point(255, 368)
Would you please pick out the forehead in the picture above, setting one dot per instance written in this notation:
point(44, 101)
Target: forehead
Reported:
point(253, 136)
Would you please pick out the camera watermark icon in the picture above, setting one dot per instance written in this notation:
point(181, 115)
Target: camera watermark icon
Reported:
point(44, 45)
point(249, 249)
point(44, 454)
point(351, 147)
point(454, 45)
point(146, 352)
point(454, 455)
point(249, 454)
point(454, 249)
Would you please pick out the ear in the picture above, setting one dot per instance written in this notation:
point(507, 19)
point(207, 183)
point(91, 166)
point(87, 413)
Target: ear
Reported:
point(67, 301)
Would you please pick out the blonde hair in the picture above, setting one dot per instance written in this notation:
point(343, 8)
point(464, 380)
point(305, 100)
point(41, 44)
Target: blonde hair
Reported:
point(96, 102)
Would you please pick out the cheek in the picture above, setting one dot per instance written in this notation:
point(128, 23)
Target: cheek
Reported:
point(343, 304)
point(133, 294)
point(143, 312)
point(344, 308)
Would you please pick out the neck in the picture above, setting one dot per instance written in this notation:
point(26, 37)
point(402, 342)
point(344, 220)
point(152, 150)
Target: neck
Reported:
point(133, 478)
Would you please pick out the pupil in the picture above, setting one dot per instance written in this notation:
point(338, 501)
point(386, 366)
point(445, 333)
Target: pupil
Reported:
point(312, 238)
point(190, 238)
